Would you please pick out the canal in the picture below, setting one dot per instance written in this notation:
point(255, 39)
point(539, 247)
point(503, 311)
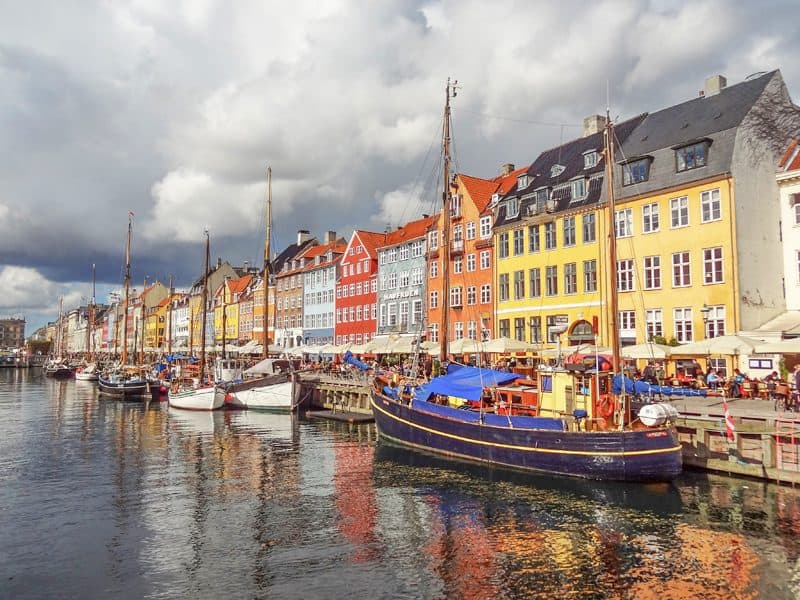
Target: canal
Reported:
point(100, 498)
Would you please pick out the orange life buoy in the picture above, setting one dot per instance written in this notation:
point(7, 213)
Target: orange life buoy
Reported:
point(606, 407)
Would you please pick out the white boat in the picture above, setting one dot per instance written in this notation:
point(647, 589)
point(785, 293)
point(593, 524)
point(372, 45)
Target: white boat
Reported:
point(87, 373)
point(203, 398)
point(270, 387)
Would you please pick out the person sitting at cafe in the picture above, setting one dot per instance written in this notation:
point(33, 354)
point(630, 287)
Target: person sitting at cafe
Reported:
point(712, 379)
point(735, 385)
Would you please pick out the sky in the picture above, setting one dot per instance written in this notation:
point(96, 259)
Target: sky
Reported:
point(174, 111)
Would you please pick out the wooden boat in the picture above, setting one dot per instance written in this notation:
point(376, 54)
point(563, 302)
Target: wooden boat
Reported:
point(56, 366)
point(200, 398)
point(58, 369)
point(270, 387)
point(86, 373)
point(575, 422)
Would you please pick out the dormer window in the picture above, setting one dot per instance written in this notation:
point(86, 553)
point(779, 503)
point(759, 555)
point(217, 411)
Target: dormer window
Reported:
point(590, 159)
point(692, 156)
point(512, 208)
point(318, 260)
point(636, 171)
point(578, 188)
point(495, 199)
point(556, 170)
point(522, 182)
point(455, 206)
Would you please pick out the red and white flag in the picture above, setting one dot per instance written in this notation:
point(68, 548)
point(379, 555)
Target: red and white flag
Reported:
point(730, 428)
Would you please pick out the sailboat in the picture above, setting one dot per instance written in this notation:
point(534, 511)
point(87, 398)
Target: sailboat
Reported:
point(56, 366)
point(122, 381)
point(588, 432)
point(88, 371)
point(198, 394)
point(270, 389)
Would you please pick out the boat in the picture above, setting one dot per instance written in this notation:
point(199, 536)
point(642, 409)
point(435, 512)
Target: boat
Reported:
point(122, 380)
point(193, 391)
point(86, 373)
point(56, 365)
point(268, 385)
point(571, 420)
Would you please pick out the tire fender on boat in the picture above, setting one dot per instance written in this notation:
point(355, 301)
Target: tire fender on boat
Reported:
point(605, 407)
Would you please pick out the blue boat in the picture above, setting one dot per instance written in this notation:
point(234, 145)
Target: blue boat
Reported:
point(580, 444)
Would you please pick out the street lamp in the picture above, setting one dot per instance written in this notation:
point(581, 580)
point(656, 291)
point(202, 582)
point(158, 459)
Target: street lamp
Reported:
point(705, 312)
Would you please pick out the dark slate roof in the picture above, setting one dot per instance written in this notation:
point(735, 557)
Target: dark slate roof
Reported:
point(696, 118)
point(571, 157)
point(292, 250)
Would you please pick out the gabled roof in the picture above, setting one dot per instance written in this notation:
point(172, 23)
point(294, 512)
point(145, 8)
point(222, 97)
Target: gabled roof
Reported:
point(337, 247)
point(480, 190)
point(371, 241)
point(697, 118)
point(790, 161)
point(506, 182)
point(239, 285)
point(410, 231)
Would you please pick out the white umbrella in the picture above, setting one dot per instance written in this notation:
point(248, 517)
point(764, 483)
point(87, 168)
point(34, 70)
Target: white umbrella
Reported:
point(358, 348)
point(506, 344)
point(790, 346)
point(723, 345)
point(464, 346)
point(647, 350)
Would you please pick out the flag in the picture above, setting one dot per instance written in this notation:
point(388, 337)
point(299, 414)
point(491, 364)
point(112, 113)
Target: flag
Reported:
point(730, 428)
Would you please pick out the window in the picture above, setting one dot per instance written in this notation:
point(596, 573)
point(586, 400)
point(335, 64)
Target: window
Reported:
point(416, 277)
point(590, 275)
point(519, 285)
point(434, 299)
point(652, 272)
point(679, 211)
point(590, 159)
point(471, 230)
point(433, 239)
point(458, 327)
point(382, 321)
point(391, 255)
point(535, 324)
point(502, 245)
point(455, 297)
point(472, 295)
point(721, 367)
point(797, 214)
point(533, 238)
point(519, 329)
point(472, 330)
point(512, 208)
point(555, 325)
point(650, 218)
point(455, 205)
point(569, 231)
point(486, 293)
point(681, 272)
point(403, 282)
point(486, 227)
point(403, 314)
point(710, 206)
point(549, 235)
point(551, 280)
point(589, 234)
point(712, 265)
point(391, 318)
point(434, 269)
point(683, 324)
point(636, 171)
point(503, 287)
point(571, 278)
point(470, 262)
point(417, 250)
point(691, 157)
point(522, 182)
point(535, 282)
point(405, 252)
point(578, 188)
point(625, 275)
point(486, 260)
point(434, 329)
point(358, 313)
point(392, 285)
point(519, 242)
point(627, 324)
point(623, 222)
point(715, 325)
point(504, 327)
point(458, 264)
point(654, 323)
point(416, 311)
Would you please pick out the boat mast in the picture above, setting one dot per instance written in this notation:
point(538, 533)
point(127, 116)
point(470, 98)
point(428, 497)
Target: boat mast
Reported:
point(445, 321)
point(169, 317)
point(142, 321)
point(59, 333)
point(124, 356)
point(265, 351)
point(620, 408)
point(90, 324)
point(205, 301)
point(224, 314)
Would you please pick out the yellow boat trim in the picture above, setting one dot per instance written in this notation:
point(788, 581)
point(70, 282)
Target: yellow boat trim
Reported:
point(526, 448)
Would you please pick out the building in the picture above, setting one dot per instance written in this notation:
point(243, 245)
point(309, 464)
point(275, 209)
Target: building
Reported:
point(319, 277)
point(356, 289)
point(12, 332)
point(286, 281)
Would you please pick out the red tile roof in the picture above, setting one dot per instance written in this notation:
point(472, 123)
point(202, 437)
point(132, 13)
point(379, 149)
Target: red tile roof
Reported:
point(337, 247)
point(239, 285)
point(791, 158)
point(482, 190)
point(410, 231)
point(506, 182)
point(371, 241)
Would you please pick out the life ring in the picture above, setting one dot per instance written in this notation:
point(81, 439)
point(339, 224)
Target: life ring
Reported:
point(605, 407)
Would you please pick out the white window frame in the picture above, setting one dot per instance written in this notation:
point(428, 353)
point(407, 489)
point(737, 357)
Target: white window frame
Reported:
point(684, 328)
point(625, 275)
point(679, 212)
point(713, 266)
point(651, 218)
point(710, 203)
point(623, 222)
point(652, 272)
point(681, 269)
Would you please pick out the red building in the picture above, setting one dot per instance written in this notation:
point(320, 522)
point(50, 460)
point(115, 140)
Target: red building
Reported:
point(357, 288)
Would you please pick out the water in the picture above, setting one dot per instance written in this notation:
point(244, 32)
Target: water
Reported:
point(100, 498)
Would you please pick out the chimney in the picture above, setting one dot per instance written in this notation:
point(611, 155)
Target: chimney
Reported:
point(219, 262)
point(330, 236)
point(303, 235)
point(506, 169)
point(714, 85)
point(246, 268)
point(593, 124)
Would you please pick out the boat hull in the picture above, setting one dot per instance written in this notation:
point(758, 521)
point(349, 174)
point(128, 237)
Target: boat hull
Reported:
point(652, 454)
point(59, 372)
point(86, 376)
point(199, 399)
point(269, 395)
point(123, 389)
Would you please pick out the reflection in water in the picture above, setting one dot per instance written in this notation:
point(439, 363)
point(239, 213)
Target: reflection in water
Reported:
point(135, 500)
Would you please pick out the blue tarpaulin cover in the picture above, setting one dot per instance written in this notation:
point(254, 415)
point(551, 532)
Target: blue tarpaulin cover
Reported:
point(473, 416)
point(642, 387)
point(352, 360)
point(464, 382)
